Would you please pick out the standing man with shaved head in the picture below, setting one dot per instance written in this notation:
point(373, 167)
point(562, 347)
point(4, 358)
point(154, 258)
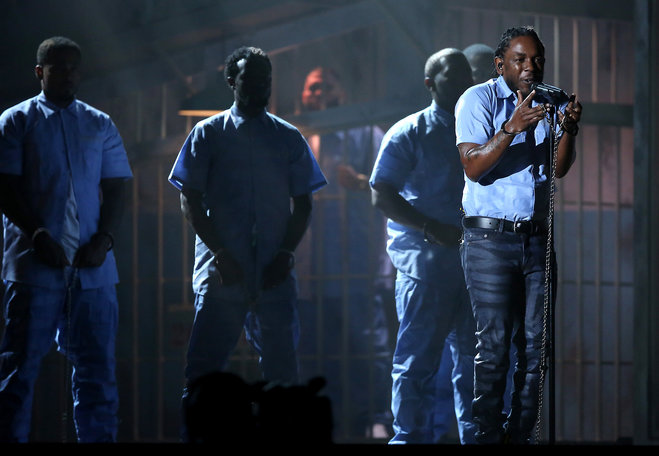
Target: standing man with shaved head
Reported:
point(417, 183)
point(504, 137)
point(62, 172)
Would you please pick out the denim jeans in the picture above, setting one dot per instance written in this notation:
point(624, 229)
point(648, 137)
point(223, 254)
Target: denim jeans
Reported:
point(505, 277)
point(271, 328)
point(36, 318)
point(428, 311)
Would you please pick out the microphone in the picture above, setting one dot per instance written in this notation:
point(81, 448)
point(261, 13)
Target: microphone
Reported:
point(545, 93)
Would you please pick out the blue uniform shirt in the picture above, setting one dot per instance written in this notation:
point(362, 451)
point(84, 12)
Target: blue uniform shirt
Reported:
point(418, 157)
point(54, 149)
point(517, 187)
point(247, 169)
point(346, 231)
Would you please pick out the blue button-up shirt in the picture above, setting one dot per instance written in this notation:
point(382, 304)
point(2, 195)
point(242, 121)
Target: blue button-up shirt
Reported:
point(517, 187)
point(419, 158)
point(346, 230)
point(247, 169)
point(55, 149)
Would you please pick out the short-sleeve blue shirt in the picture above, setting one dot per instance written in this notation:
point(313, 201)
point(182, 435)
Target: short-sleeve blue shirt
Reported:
point(517, 187)
point(45, 144)
point(247, 169)
point(418, 157)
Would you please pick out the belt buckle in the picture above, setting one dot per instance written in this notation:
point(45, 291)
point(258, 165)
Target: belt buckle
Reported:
point(517, 227)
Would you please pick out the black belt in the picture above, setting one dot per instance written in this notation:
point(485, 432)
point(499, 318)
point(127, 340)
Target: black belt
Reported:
point(520, 226)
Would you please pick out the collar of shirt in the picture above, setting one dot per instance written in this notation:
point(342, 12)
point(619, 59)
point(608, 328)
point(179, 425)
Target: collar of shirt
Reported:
point(501, 89)
point(239, 118)
point(444, 117)
point(71, 108)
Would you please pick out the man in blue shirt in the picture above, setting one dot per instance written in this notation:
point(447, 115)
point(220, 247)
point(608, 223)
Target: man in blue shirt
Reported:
point(504, 139)
point(417, 183)
point(239, 173)
point(62, 168)
point(345, 249)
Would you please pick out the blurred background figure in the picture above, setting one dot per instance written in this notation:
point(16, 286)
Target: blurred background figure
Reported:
point(481, 60)
point(417, 183)
point(344, 327)
point(450, 388)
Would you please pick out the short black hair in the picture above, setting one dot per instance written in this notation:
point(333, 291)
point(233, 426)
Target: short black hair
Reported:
point(514, 32)
point(52, 43)
point(231, 69)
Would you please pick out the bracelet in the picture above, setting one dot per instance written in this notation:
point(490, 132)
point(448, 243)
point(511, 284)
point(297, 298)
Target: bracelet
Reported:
point(503, 129)
point(38, 231)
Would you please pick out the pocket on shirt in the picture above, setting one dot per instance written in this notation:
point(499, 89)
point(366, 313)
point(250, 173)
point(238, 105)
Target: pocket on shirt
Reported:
point(92, 156)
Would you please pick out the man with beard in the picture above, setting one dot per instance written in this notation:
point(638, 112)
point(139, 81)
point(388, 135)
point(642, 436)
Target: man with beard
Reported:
point(503, 135)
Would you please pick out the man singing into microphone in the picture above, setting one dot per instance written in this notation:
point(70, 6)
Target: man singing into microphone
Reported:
point(504, 137)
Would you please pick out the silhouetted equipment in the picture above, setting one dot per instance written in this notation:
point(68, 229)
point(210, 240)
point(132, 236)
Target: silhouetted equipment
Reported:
point(222, 408)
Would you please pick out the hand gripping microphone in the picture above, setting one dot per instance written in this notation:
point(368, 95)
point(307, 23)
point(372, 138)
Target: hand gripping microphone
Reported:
point(545, 93)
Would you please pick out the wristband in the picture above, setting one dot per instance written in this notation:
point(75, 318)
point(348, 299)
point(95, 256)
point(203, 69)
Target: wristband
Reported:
point(503, 129)
point(38, 231)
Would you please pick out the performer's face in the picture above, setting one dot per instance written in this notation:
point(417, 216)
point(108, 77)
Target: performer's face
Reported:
point(253, 84)
point(523, 64)
point(60, 75)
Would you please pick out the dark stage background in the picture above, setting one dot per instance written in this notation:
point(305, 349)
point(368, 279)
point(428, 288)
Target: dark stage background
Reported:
point(144, 60)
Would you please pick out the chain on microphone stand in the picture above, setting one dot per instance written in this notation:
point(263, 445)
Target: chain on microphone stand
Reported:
point(548, 270)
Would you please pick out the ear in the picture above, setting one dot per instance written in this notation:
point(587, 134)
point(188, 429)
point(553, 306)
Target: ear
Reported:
point(429, 83)
point(498, 65)
point(38, 72)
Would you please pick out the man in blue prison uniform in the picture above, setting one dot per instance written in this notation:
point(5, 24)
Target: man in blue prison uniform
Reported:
point(62, 167)
point(503, 135)
point(417, 182)
point(239, 173)
point(345, 246)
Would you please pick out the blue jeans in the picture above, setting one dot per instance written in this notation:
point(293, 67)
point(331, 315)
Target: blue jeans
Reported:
point(455, 391)
point(36, 317)
point(271, 327)
point(505, 277)
point(427, 312)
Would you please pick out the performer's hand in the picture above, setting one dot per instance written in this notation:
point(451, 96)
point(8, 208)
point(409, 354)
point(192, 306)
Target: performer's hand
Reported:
point(525, 116)
point(93, 253)
point(278, 270)
point(228, 268)
point(442, 233)
point(49, 251)
point(569, 120)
